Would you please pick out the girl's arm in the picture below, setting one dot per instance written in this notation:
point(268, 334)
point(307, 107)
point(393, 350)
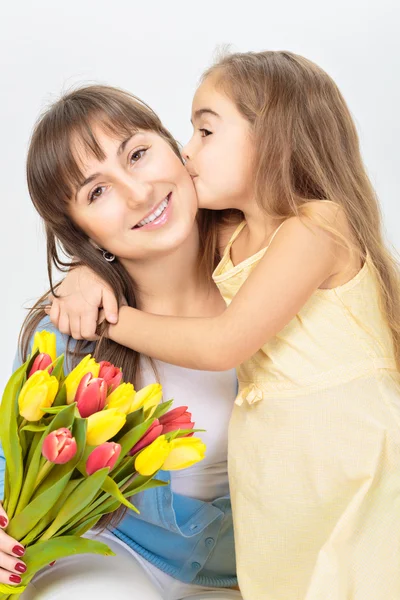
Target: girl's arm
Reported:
point(300, 258)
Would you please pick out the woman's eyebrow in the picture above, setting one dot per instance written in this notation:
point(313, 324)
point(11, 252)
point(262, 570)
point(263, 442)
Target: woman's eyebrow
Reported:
point(201, 111)
point(94, 175)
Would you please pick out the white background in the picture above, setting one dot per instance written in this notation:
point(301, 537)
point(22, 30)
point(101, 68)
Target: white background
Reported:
point(157, 50)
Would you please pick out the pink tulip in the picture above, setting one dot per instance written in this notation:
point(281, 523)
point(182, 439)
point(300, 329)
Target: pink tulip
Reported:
point(151, 434)
point(178, 418)
point(41, 362)
point(105, 455)
point(111, 375)
point(59, 446)
point(91, 395)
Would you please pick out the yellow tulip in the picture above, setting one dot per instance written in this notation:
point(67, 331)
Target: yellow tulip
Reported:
point(103, 425)
point(147, 398)
point(45, 342)
point(87, 365)
point(184, 453)
point(122, 398)
point(38, 392)
point(152, 458)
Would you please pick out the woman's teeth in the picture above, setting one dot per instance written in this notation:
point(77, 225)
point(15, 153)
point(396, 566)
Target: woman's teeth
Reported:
point(153, 215)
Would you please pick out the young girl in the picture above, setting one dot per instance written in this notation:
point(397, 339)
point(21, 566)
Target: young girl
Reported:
point(313, 320)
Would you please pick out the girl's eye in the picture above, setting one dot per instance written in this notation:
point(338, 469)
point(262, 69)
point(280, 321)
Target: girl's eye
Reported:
point(96, 193)
point(137, 155)
point(205, 132)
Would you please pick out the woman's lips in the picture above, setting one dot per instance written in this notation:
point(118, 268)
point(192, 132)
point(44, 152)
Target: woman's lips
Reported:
point(160, 220)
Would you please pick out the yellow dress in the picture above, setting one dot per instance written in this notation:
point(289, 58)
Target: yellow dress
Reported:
point(314, 449)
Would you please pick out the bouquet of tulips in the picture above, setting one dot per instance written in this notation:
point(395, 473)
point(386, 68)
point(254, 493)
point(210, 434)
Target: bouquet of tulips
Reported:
point(79, 447)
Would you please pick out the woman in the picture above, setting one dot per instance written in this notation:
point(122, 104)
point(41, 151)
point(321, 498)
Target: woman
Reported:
point(136, 227)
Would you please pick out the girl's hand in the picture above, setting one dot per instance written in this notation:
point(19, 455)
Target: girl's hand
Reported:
point(11, 565)
point(76, 311)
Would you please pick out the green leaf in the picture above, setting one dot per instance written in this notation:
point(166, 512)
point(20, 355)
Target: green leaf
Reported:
point(132, 420)
point(10, 590)
point(57, 365)
point(111, 488)
point(82, 496)
point(41, 554)
point(22, 523)
point(64, 418)
point(162, 409)
point(91, 509)
point(125, 469)
point(85, 525)
point(147, 485)
point(34, 428)
point(53, 410)
point(30, 360)
point(51, 515)
point(61, 398)
point(10, 438)
point(178, 433)
point(142, 482)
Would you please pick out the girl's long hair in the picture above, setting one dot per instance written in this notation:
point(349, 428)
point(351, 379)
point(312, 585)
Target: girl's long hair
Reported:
point(307, 148)
point(53, 173)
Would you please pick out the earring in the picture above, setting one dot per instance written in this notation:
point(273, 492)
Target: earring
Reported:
point(108, 256)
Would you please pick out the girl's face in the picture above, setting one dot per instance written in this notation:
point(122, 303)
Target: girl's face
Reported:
point(219, 154)
point(137, 203)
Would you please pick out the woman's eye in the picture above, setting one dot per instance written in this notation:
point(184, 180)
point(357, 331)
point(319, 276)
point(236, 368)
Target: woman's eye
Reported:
point(205, 132)
point(137, 154)
point(96, 193)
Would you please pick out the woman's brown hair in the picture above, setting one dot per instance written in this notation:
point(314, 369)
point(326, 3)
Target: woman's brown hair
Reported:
point(306, 149)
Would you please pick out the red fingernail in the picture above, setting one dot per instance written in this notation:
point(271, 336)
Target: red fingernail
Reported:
point(3, 522)
point(15, 578)
point(20, 567)
point(52, 563)
point(18, 550)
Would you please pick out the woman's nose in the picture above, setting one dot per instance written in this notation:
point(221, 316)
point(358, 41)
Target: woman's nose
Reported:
point(138, 193)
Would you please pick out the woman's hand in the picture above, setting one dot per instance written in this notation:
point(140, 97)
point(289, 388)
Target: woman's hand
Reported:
point(76, 311)
point(11, 565)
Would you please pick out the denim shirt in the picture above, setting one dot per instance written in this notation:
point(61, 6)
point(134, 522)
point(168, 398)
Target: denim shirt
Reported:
point(189, 539)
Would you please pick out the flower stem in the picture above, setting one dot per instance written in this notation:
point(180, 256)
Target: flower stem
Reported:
point(43, 472)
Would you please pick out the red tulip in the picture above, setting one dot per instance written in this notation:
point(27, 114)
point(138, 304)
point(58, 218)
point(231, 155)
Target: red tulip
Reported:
point(178, 418)
point(91, 395)
point(111, 375)
point(41, 362)
point(105, 455)
point(151, 434)
point(59, 446)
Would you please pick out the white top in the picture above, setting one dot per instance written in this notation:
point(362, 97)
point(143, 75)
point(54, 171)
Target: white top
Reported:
point(209, 396)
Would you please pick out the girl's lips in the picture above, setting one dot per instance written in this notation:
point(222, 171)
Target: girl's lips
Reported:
point(159, 221)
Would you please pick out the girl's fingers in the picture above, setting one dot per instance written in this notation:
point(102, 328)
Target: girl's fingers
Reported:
point(110, 306)
point(75, 326)
point(11, 564)
point(10, 546)
point(55, 312)
point(3, 517)
point(89, 325)
point(63, 324)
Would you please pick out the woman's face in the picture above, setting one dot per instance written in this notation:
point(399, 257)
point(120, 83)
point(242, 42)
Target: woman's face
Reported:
point(137, 203)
